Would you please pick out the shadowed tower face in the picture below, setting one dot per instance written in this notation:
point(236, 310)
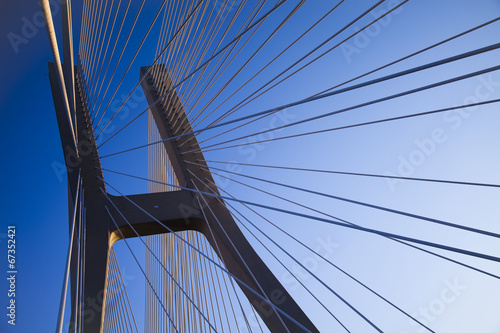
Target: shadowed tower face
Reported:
point(202, 220)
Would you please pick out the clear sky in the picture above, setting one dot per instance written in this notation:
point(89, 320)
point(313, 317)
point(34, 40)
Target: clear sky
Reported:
point(458, 145)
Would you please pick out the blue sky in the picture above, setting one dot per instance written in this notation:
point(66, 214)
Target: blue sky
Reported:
point(459, 145)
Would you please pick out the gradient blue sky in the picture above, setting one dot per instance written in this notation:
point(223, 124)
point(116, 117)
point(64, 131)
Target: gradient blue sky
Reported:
point(34, 197)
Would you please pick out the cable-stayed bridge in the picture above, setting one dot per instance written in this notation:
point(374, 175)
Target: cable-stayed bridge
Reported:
point(168, 112)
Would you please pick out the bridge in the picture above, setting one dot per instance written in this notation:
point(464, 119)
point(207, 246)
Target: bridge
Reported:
point(208, 258)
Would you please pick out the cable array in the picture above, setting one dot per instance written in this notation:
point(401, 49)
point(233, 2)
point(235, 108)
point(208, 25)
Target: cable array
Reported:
point(237, 67)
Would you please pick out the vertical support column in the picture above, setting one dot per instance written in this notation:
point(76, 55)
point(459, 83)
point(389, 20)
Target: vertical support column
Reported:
point(97, 223)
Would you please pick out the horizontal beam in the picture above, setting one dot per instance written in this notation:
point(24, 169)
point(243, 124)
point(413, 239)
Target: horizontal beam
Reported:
point(176, 209)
